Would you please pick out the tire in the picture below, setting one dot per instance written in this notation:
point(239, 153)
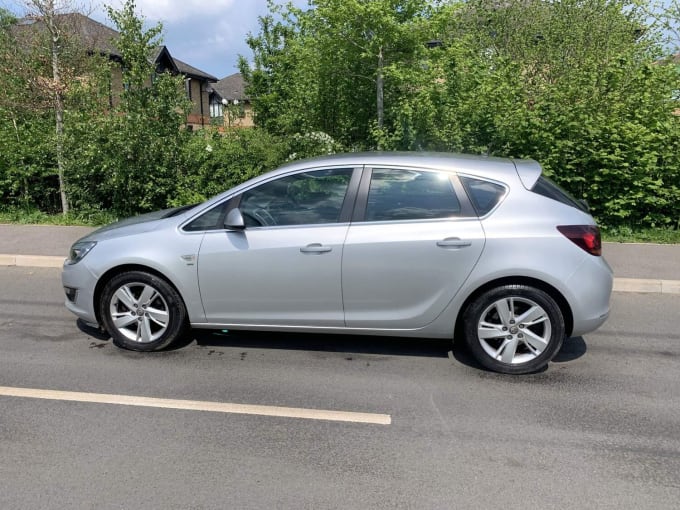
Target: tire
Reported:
point(514, 329)
point(142, 312)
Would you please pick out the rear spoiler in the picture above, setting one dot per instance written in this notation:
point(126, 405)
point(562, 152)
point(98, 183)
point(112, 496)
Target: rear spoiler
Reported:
point(528, 170)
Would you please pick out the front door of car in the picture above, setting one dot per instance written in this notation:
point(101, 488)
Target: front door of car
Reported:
point(411, 249)
point(284, 268)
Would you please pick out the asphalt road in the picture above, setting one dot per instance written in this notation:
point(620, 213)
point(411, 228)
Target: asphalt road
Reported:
point(600, 428)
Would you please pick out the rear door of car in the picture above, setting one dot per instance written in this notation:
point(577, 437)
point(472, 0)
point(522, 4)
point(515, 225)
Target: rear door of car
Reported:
point(413, 241)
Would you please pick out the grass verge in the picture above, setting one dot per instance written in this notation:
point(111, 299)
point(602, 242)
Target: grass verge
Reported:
point(34, 217)
point(646, 235)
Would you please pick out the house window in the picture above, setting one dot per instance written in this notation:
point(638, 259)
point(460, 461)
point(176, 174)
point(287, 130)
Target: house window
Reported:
point(216, 107)
point(187, 87)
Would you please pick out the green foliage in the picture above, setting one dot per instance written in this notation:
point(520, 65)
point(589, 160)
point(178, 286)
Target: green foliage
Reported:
point(129, 159)
point(220, 161)
point(582, 86)
point(626, 234)
point(28, 175)
point(316, 143)
point(35, 216)
point(321, 70)
point(574, 84)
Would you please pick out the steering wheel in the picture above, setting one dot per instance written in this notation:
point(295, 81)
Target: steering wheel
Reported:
point(260, 217)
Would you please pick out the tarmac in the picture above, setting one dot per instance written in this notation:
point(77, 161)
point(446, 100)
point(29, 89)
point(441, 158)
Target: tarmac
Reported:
point(644, 268)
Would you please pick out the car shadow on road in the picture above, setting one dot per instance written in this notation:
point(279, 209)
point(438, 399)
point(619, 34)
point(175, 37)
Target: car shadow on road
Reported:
point(572, 348)
point(349, 344)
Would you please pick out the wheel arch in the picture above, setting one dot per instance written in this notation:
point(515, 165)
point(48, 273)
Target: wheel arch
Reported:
point(561, 301)
point(115, 271)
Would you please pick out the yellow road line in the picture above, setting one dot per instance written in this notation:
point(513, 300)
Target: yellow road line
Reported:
point(197, 405)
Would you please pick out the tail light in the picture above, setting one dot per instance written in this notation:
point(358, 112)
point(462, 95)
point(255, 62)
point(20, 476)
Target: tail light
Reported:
point(586, 237)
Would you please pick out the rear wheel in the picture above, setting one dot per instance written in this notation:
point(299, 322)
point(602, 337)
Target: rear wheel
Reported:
point(142, 312)
point(514, 329)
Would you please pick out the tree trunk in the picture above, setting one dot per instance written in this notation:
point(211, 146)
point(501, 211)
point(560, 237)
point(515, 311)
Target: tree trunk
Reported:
point(58, 103)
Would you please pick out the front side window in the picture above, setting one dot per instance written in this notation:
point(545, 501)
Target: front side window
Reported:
point(210, 220)
point(305, 198)
point(410, 195)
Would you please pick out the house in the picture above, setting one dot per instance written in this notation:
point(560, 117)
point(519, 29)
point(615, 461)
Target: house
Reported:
point(99, 39)
point(198, 87)
point(229, 105)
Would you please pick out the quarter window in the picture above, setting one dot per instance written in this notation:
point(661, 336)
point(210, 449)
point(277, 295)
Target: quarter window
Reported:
point(410, 195)
point(300, 199)
point(483, 194)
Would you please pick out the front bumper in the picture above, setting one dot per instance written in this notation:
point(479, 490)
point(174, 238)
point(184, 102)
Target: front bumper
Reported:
point(79, 285)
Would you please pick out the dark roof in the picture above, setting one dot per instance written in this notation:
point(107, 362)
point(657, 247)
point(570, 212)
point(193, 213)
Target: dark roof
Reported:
point(160, 56)
point(232, 87)
point(192, 72)
point(96, 36)
point(99, 38)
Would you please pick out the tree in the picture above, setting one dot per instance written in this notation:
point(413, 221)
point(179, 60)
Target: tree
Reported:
point(129, 158)
point(42, 60)
point(338, 67)
point(575, 84)
point(47, 13)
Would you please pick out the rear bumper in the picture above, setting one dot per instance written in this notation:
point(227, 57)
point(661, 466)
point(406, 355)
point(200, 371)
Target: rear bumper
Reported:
point(591, 287)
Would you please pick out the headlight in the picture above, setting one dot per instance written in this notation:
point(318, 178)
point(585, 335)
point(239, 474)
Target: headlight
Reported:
point(79, 250)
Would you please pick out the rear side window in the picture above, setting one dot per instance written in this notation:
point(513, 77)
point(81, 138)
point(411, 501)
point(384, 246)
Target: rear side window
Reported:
point(396, 195)
point(547, 188)
point(484, 195)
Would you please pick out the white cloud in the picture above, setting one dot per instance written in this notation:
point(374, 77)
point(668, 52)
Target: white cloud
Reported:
point(171, 11)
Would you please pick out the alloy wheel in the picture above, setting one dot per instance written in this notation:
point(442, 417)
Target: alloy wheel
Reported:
point(514, 330)
point(139, 312)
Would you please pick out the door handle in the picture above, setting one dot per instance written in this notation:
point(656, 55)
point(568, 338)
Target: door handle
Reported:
point(316, 248)
point(453, 242)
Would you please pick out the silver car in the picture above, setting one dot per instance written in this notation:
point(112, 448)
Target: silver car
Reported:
point(403, 244)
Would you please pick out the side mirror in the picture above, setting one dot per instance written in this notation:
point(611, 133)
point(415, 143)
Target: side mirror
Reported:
point(234, 220)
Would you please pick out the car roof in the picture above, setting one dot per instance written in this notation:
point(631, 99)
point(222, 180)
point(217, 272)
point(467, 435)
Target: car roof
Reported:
point(483, 166)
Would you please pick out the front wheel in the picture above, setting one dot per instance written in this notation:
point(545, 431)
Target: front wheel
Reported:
point(514, 329)
point(141, 311)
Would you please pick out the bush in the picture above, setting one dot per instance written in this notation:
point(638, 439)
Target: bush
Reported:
point(214, 162)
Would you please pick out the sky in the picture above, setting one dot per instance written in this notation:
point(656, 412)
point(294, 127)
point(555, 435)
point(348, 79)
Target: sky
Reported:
point(207, 34)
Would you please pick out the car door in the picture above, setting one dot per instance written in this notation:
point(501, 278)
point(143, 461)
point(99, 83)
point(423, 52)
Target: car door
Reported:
point(284, 268)
point(411, 246)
